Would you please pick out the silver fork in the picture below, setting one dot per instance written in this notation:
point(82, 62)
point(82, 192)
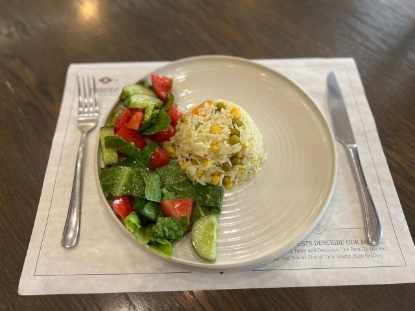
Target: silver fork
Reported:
point(88, 115)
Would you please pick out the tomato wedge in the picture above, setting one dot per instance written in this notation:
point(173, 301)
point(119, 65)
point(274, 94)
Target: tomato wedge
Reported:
point(162, 86)
point(131, 136)
point(163, 135)
point(126, 133)
point(122, 119)
point(159, 158)
point(178, 207)
point(122, 205)
point(174, 114)
point(139, 141)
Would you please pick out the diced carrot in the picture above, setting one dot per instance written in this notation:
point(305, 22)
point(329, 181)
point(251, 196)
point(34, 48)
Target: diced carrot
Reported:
point(135, 120)
point(196, 110)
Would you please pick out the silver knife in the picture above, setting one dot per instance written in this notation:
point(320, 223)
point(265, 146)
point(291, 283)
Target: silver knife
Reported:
point(344, 134)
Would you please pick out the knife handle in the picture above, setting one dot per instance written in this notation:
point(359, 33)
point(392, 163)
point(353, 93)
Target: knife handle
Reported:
point(373, 227)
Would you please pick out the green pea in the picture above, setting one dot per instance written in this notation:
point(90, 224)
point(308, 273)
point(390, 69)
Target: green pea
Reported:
point(226, 167)
point(220, 106)
point(235, 132)
point(237, 122)
point(236, 160)
point(233, 139)
point(226, 180)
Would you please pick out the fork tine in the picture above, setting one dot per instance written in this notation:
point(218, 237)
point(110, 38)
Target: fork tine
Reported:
point(96, 106)
point(80, 98)
point(88, 98)
point(85, 104)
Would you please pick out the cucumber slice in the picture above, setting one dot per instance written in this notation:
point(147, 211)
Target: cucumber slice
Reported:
point(109, 155)
point(204, 236)
point(149, 103)
point(135, 89)
point(114, 116)
point(142, 101)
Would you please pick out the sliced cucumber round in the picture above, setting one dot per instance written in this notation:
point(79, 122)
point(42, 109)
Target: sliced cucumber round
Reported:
point(204, 235)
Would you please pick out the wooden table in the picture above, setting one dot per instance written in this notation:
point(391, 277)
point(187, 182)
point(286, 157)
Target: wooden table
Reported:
point(39, 39)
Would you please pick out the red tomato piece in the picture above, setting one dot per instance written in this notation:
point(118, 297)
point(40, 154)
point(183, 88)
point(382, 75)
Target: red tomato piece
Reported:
point(178, 207)
point(139, 141)
point(131, 136)
point(126, 133)
point(122, 206)
point(174, 114)
point(159, 158)
point(163, 135)
point(122, 119)
point(135, 120)
point(162, 86)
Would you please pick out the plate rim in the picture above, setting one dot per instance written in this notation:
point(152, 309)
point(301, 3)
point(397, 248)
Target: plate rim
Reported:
point(252, 262)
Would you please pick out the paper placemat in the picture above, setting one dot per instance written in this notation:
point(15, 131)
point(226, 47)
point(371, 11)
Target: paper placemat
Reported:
point(104, 261)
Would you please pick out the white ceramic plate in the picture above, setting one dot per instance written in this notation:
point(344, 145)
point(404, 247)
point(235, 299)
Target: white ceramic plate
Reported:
point(269, 215)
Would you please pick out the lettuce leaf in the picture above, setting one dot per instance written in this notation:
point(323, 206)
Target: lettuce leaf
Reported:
point(152, 210)
point(209, 195)
point(161, 246)
point(153, 187)
point(171, 228)
point(171, 174)
point(126, 148)
point(132, 222)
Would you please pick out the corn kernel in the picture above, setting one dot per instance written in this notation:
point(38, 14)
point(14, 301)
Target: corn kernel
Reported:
point(241, 170)
point(214, 148)
point(236, 114)
point(229, 185)
point(206, 163)
point(234, 109)
point(199, 173)
point(182, 166)
point(215, 129)
point(170, 149)
point(173, 155)
point(185, 142)
point(245, 145)
point(215, 179)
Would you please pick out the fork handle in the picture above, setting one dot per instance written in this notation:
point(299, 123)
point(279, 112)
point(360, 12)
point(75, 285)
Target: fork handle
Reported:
point(73, 220)
point(373, 228)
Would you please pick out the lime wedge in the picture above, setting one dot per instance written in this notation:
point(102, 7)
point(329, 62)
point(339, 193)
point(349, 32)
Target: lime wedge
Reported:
point(204, 235)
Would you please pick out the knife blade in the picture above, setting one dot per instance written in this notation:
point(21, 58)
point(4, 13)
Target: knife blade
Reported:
point(344, 134)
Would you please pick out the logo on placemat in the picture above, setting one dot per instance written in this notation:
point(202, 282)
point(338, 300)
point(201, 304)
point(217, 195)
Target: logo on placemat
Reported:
point(319, 229)
point(107, 90)
point(105, 80)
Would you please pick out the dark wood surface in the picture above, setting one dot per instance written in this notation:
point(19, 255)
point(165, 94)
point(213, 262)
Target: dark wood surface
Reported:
point(39, 39)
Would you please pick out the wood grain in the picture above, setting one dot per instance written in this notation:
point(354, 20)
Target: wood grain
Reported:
point(39, 39)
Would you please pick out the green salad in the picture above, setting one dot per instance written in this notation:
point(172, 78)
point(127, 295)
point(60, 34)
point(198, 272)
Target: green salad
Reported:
point(146, 188)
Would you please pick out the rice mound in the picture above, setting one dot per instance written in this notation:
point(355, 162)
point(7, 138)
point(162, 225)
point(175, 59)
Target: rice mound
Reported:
point(202, 144)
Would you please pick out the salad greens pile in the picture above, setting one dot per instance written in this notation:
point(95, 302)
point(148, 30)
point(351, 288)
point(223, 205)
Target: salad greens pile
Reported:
point(147, 190)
